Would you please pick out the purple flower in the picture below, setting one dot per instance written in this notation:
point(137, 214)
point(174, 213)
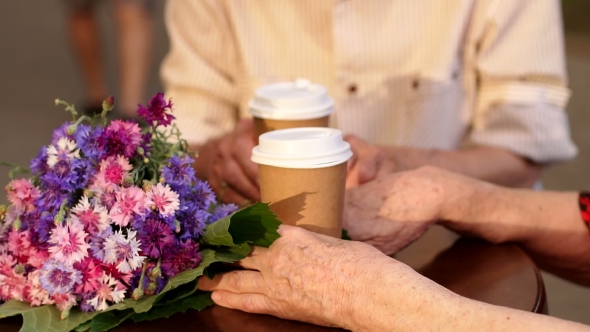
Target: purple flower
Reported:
point(120, 138)
point(185, 256)
point(54, 191)
point(56, 277)
point(156, 112)
point(82, 170)
point(179, 173)
point(41, 228)
point(87, 139)
point(192, 222)
point(202, 195)
point(61, 132)
point(155, 237)
point(84, 305)
point(222, 211)
point(39, 164)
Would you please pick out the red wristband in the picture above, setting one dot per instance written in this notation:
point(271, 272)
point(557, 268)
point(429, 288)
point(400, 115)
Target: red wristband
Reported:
point(584, 201)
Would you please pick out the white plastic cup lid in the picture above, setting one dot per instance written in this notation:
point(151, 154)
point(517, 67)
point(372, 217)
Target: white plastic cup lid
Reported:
point(298, 100)
point(302, 148)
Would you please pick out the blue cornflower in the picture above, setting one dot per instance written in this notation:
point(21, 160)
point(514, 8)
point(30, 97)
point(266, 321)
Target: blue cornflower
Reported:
point(179, 171)
point(61, 131)
point(39, 164)
point(57, 277)
point(54, 191)
point(155, 237)
point(202, 195)
point(222, 211)
point(192, 222)
point(87, 139)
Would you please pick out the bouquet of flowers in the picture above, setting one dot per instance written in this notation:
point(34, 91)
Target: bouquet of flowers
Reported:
point(113, 225)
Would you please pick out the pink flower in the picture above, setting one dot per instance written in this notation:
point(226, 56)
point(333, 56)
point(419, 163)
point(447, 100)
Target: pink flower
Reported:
point(91, 269)
point(123, 251)
point(34, 291)
point(129, 201)
point(7, 262)
point(37, 259)
point(19, 243)
point(65, 150)
point(64, 301)
point(12, 284)
point(115, 169)
point(68, 243)
point(109, 289)
point(21, 194)
point(163, 199)
point(95, 219)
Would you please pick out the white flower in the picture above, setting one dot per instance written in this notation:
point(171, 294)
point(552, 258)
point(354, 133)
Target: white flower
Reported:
point(107, 291)
point(163, 199)
point(65, 150)
point(123, 251)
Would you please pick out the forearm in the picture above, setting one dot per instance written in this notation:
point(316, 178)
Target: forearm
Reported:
point(415, 303)
point(485, 163)
point(546, 224)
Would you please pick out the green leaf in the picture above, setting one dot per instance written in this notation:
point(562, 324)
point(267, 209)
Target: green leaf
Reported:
point(84, 327)
point(198, 302)
point(256, 225)
point(47, 318)
point(108, 320)
point(345, 235)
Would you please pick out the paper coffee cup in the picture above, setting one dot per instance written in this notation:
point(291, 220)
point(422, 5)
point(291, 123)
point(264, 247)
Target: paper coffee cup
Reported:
point(302, 173)
point(290, 105)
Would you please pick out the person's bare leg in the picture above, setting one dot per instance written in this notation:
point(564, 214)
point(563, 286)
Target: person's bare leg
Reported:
point(85, 38)
point(134, 31)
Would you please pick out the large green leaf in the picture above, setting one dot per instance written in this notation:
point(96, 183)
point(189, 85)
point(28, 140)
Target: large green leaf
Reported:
point(197, 301)
point(108, 320)
point(256, 225)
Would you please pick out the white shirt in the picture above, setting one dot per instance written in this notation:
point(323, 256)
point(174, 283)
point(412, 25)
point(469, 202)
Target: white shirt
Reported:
point(423, 73)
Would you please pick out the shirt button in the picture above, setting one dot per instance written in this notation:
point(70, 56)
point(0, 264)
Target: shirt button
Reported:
point(352, 89)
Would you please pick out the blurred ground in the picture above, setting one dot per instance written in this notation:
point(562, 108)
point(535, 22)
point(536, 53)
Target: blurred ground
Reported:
point(37, 66)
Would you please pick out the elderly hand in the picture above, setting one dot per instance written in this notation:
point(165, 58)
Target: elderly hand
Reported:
point(395, 210)
point(231, 173)
point(370, 162)
point(321, 280)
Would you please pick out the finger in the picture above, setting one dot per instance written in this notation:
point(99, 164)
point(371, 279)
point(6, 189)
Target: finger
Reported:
point(237, 179)
point(226, 193)
point(255, 260)
point(239, 281)
point(352, 178)
point(249, 302)
point(367, 168)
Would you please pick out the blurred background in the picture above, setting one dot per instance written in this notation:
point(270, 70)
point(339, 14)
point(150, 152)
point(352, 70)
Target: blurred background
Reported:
point(37, 65)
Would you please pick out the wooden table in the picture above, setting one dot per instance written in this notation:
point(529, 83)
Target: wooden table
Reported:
point(497, 274)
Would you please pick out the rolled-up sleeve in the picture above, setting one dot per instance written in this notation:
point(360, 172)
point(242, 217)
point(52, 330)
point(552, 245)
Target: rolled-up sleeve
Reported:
point(199, 71)
point(522, 84)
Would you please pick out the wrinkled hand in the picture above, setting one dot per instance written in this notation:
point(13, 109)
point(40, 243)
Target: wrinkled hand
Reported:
point(368, 162)
point(232, 175)
point(303, 276)
point(395, 210)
